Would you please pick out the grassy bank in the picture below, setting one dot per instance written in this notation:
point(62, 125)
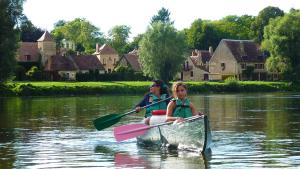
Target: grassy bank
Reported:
point(120, 87)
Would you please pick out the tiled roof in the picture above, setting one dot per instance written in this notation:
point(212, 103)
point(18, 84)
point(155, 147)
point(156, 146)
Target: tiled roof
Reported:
point(60, 63)
point(244, 50)
point(45, 37)
point(106, 49)
point(133, 60)
point(28, 48)
point(87, 62)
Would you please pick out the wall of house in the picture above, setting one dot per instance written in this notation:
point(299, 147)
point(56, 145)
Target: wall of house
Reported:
point(195, 74)
point(47, 49)
point(223, 64)
point(108, 61)
point(70, 75)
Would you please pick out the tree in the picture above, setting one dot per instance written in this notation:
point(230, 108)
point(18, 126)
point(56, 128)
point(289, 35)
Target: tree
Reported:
point(119, 37)
point(81, 32)
point(278, 65)
point(29, 33)
point(202, 35)
point(262, 20)
point(282, 39)
point(134, 44)
point(161, 51)
point(163, 15)
point(10, 12)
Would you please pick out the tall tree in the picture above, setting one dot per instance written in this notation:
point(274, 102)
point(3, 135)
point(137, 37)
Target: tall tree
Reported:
point(10, 12)
point(163, 15)
point(29, 32)
point(82, 32)
point(202, 35)
point(118, 36)
point(262, 20)
point(282, 39)
point(161, 51)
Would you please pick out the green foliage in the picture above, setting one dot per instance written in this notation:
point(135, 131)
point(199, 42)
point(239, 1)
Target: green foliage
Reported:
point(282, 39)
point(163, 16)
point(82, 32)
point(34, 73)
point(161, 51)
point(202, 35)
point(263, 19)
point(10, 12)
point(119, 38)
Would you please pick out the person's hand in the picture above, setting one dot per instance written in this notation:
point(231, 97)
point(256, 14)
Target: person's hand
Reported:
point(200, 113)
point(179, 120)
point(138, 109)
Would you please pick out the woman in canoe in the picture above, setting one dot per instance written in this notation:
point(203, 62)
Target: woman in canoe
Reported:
point(180, 106)
point(158, 91)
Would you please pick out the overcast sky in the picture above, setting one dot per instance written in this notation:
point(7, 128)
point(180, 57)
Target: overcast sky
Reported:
point(105, 14)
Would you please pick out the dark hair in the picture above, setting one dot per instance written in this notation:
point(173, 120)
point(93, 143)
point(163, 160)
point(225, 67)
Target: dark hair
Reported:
point(163, 87)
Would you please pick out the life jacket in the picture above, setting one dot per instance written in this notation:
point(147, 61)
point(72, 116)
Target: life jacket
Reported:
point(159, 106)
point(182, 108)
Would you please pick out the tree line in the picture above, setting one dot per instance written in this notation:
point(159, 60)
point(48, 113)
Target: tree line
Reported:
point(162, 47)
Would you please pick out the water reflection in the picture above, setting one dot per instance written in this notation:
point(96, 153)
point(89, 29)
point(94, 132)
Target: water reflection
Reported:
point(249, 130)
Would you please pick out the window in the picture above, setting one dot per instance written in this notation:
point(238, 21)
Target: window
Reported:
point(243, 65)
point(27, 57)
point(104, 61)
point(259, 66)
point(223, 66)
point(109, 70)
point(115, 61)
point(192, 74)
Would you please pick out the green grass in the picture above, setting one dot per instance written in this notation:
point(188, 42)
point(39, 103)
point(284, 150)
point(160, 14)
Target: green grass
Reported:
point(134, 87)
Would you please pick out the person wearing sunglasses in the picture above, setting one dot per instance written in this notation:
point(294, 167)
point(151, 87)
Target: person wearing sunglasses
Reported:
point(158, 91)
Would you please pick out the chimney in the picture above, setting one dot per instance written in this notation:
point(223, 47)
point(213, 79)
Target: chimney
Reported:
point(211, 50)
point(97, 47)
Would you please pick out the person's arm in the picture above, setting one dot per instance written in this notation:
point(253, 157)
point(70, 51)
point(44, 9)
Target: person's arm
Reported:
point(142, 103)
point(194, 112)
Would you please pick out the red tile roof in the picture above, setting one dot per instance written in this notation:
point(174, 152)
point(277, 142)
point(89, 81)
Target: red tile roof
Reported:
point(60, 63)
point(133, 60)
point(45, 37)
point(87, 62)
point(28, 49)
point(106, 49)
point(245, 50)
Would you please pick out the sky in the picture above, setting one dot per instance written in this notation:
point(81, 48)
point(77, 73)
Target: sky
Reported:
point(105, 14)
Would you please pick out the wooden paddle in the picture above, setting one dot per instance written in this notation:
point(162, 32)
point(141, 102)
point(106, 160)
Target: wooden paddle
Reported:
point(129, 131)
point(111, 119)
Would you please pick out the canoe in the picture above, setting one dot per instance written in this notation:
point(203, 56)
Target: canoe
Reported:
point(193, 135)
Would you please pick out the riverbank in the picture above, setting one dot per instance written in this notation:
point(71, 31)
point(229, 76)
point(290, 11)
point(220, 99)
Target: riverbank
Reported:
point(135, 87)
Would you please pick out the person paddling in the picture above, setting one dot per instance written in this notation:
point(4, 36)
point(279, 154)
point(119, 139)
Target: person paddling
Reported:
point(180, 106)
point(158, 91)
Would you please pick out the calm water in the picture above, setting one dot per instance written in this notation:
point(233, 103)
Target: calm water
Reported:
point(248, 130)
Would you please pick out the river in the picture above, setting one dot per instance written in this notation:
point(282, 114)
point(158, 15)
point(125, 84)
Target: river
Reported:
point(255, 130)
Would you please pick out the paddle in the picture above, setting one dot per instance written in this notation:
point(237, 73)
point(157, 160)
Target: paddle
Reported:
point(111, 119)
point(129, 131)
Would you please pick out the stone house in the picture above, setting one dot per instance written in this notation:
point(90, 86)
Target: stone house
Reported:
point(130, 60)
point(242, 59)
point(108, 56)
point(195, 68)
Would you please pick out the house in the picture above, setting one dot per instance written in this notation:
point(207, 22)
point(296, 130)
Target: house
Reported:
point(108, 56)
point(242, 59)
point(195, 68)
point(67, 67)
point(130, 60)
point(38, 51)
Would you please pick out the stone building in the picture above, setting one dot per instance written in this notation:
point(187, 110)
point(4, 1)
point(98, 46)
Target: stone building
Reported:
point(130, 60)
point(242, 59)
point(108, 56)
point(46, 46)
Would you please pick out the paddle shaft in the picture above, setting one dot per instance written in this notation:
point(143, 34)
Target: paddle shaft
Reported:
point(161, 124)
point(132, 111)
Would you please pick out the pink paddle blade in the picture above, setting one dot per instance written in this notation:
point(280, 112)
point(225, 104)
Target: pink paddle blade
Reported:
point(130, 131)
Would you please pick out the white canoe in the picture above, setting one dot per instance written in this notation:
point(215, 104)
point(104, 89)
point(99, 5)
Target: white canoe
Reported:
point(194, 134)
